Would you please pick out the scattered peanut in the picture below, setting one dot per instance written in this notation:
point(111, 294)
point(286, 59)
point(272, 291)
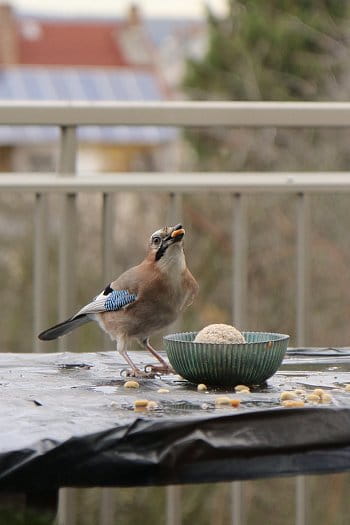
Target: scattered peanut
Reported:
point(223, 401)
point(131, 384)
point(313, 398)
point(140, 408)
point(347, 388)
point(201, 387)
point(293, 403)
point(287, 395)
point(241, 388)
point(326, 399)
point(138, 403)
point(319, 392)
point(163, 391)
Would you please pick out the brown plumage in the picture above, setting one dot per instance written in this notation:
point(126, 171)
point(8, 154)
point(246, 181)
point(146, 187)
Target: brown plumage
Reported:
point(145, 299)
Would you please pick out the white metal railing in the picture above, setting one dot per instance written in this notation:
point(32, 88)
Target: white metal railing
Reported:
point(239, 182)
point(176, 113)
point(68, 116)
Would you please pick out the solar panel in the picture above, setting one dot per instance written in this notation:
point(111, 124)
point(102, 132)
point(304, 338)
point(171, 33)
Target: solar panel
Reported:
point(68, 84)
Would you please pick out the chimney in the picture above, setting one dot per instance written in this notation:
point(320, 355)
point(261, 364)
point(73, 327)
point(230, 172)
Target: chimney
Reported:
point(133, 39)
point(9, 52)
point(134, 17)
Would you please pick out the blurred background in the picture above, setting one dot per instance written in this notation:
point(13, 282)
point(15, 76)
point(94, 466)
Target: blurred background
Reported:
point(156, 51)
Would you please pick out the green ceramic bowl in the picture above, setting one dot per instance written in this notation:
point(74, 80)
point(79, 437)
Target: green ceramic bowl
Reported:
point(250, 363)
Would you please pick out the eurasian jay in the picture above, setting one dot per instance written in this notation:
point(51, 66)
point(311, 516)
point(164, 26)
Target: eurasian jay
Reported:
point(142, 301)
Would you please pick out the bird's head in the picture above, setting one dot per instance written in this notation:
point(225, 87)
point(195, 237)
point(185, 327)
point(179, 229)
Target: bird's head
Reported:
point(167, 243)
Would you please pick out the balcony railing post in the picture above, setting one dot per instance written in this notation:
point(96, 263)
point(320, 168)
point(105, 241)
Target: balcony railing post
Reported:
point(108, 507)
point(67, 508)
point(237, 503)
point(239, 314)
point(303, 269)
point(301, 500)
point(303, 315)
point(302, 324)
point(40, 277)
point(175, 216)
point(173, 505)
point(240, 257)
point(175, 211)
point(174, 492)
point(68, 224)
point(108, 219)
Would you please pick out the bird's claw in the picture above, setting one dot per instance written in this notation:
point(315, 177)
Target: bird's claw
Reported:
point(150, 369)
point(159, 369)
point(136, 372)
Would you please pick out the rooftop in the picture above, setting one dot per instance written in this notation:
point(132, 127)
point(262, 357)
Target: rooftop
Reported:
point(71, 43)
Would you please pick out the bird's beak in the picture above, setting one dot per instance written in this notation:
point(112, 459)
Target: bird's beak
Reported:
point(177, 233)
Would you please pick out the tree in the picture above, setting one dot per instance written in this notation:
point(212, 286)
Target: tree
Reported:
point(277, 50)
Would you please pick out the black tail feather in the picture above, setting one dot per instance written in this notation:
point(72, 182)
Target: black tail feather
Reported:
point(64, 328)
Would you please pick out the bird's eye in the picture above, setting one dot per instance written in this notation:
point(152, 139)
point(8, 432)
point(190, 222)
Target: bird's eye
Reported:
point(156, 240)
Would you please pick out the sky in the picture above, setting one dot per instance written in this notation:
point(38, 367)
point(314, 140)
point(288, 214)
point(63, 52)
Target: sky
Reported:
point(174, 8)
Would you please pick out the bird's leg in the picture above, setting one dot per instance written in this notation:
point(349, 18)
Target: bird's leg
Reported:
point(135, 371)
point(164, 367)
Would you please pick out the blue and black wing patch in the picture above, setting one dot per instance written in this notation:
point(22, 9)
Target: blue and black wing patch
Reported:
point(116, 299)
point(107, 301)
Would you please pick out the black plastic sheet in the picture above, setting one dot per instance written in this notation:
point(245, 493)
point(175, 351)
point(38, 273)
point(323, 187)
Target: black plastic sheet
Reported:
point(67, 420)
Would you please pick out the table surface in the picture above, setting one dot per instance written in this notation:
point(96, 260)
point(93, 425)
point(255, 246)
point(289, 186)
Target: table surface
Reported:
point(68, 420)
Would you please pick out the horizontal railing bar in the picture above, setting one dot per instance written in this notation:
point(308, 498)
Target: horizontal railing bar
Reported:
point(176, 113)
point(241, 182)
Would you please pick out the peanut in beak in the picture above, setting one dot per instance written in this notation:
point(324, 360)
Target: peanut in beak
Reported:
point(175, 233)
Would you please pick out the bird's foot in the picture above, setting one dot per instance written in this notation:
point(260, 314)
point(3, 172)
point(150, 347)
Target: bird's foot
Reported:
point(159, 369)
point(136, 372)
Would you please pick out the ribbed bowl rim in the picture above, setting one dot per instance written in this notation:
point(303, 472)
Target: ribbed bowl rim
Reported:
point(270, 336)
